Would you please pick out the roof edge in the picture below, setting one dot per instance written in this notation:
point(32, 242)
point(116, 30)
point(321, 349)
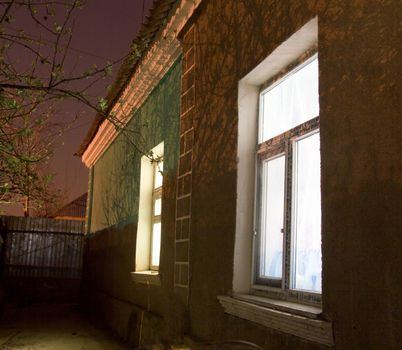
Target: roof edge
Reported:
point(161, 53)
point(138, 48)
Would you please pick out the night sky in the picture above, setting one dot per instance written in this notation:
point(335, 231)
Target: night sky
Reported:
point(103, 32)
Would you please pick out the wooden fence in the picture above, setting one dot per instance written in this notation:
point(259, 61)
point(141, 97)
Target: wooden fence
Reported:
point(39, 247)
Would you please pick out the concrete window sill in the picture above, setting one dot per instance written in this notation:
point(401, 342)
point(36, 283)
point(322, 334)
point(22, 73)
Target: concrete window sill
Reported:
point(147, 277)
point(299, 320)
point(307, 311)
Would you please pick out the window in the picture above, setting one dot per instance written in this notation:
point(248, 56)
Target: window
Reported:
point(279, 269)
point(149, 228)
point(156, 214)
point(288, 210)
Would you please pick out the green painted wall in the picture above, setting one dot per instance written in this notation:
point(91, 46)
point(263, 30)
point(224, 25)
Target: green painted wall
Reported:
point(116, 174)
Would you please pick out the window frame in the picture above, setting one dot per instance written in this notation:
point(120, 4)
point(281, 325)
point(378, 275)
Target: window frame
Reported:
point(155, 219)
point(279, 145)
point(143, 267)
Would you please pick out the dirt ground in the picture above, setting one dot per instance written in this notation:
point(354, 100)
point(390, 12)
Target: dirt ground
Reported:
point(52, 327)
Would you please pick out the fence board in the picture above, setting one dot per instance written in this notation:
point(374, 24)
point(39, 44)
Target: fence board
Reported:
point(38, 247)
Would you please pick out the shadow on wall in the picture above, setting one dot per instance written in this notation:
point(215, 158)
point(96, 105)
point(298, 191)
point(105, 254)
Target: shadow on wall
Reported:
point(117, 172)
point(231, 38)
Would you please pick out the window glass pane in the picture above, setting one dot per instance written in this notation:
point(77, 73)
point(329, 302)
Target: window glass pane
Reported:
point(158, 175)
point(307, 215)
point(272, 211)
point(157, 206)
point(290, 103)
point(156, 243)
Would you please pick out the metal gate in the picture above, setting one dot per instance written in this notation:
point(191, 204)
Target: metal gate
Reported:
point(43, 248)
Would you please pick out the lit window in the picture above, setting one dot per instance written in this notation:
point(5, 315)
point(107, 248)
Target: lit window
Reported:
point(149, 229)
point(288, 254)
point(156, 214)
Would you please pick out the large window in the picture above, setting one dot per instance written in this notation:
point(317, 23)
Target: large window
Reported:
point(279, 146)
point(288, 215)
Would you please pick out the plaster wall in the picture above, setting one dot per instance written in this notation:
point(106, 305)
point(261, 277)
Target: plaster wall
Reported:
point(134, 311)
point(116, 175)
point(361, 180)
point(361, 151)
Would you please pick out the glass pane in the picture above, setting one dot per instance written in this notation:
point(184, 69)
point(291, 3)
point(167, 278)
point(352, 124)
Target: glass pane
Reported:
point(272, 211)
point(156, 243)
point(307, 215)
point(158, 175)
point(290, 103)
point(157, 206)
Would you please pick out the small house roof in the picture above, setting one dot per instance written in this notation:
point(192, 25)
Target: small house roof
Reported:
point(76, 208)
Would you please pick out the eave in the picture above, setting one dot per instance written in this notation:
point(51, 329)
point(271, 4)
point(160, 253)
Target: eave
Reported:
point(151, 67)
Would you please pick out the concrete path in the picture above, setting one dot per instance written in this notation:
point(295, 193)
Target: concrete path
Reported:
point(51, 327)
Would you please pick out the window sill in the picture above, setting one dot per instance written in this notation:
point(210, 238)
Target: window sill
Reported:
point(147, 277)
point(296, 319)
point(307, 311)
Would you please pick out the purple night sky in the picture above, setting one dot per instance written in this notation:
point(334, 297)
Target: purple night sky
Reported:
point(103, 32)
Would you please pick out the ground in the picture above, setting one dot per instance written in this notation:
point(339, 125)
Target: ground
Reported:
point(52, 327)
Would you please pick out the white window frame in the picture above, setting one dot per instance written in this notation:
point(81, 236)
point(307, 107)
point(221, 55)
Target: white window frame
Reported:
point(145, 271)
point(272, 312)
point(277, 146)
point(249, 90)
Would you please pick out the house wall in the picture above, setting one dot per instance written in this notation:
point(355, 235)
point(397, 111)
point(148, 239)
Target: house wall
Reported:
point(359, 57)
point(135, 311)
point(116, 173)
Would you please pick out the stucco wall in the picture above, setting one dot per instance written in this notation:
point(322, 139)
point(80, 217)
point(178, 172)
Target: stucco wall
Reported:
point(116, 174)
point(361, 128)
point(134, 311)
point(360, 102)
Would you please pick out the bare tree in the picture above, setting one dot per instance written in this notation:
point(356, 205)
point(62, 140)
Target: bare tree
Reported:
point(37, 71)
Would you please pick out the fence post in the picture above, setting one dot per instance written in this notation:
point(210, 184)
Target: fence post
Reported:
point(3, 241)
point(3, 247)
